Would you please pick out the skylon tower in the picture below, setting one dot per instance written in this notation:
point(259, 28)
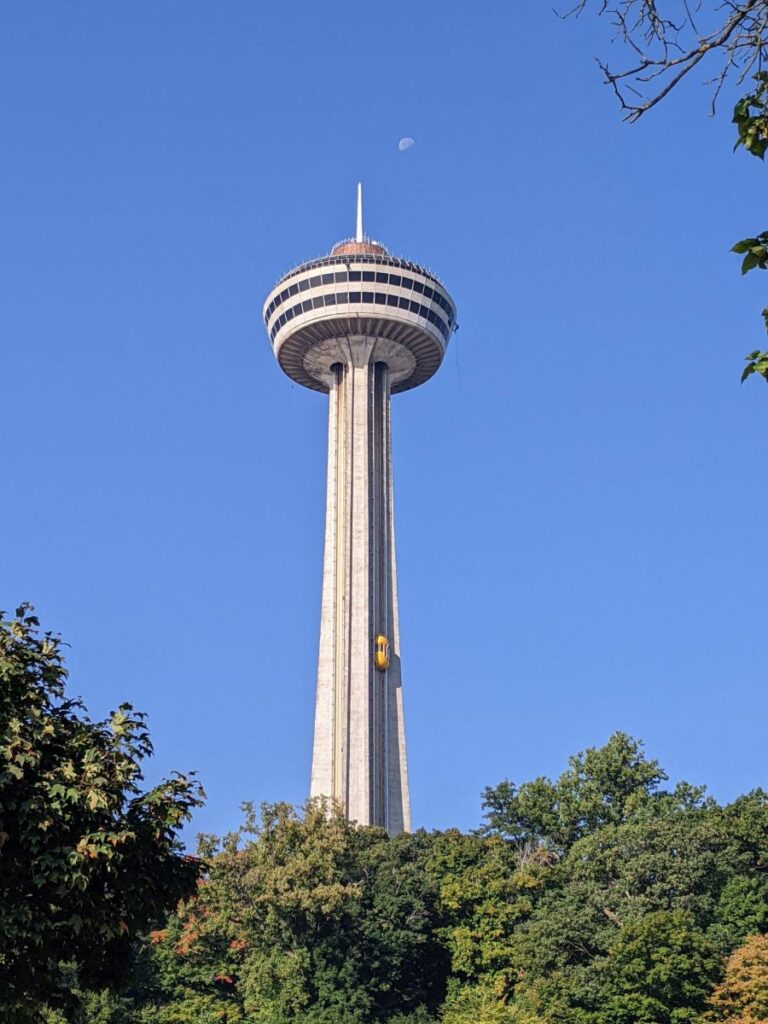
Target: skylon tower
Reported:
point(360, 325)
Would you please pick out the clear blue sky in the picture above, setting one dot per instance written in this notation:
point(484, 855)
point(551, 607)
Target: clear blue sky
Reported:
point(580, 491)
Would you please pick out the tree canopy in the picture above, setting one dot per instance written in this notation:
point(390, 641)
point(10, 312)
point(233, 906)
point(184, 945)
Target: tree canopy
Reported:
point(600, 897)
point(87, 860)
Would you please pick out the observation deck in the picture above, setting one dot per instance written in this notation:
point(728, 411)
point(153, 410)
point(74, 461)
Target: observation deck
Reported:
point(359, 291)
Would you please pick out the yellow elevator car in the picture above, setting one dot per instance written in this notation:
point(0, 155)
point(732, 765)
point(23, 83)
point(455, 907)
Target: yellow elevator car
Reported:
point(381, 657)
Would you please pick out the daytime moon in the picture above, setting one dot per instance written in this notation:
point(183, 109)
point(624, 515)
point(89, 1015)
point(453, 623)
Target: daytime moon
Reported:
point(404, 144)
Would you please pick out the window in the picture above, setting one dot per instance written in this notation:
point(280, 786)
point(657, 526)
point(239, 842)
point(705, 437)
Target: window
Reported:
point(354, 275)
point(402, 303)
point(381, 278)
point(317, 302)
point(367, 296)
point(314, 281)
point(368, 275)
point(341, 297)
point(418, 286)
point(407, 282)
point(327, 278)
point(330, 300)
point(380, 299)
point(293, 289)
point(414, 306)
point(391, 300)
point(428, 291)
point(304, 285)
point(289, 314)
point(354, 296)
point(340, 276)
point(394, 279)
point(423, 311)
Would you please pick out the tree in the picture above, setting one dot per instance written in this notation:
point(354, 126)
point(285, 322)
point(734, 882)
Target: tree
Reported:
point(666, 40)
point(742, 995)
point(305, 917)
point(87, 860)
point(602, 786)
point(637, 916)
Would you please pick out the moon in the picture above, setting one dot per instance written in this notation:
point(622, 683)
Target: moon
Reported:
point(404, 144)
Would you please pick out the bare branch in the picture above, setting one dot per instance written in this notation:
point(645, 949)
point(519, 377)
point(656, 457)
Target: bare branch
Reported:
point(668, 44)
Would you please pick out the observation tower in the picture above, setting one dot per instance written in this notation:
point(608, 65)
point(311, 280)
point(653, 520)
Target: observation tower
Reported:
point(360, 325)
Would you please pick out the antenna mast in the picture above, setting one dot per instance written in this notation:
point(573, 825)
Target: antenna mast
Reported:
point(359, 235)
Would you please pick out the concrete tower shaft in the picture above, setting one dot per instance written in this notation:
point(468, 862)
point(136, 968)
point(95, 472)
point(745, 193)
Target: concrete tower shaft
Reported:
point(360, 325)
point(359, 745)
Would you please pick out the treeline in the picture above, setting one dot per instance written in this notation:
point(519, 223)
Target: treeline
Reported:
point(599, 898)
point(602, 897)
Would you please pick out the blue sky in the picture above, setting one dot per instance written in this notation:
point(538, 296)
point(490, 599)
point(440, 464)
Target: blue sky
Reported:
point(579, 492)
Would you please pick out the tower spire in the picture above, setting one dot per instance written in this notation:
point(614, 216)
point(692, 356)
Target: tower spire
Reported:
point(359, 234)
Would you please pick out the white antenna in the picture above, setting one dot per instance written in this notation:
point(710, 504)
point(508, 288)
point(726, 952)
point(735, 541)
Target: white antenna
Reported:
point(359, 235)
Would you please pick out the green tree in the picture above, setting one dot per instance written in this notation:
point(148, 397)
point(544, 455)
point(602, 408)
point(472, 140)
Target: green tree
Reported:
point(304, 917)
point(637, 916)
point(87, 861)
point(605, 785)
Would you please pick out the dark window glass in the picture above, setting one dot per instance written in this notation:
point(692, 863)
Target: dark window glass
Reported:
point(431, 317)
point(340, 276)
point(414, 307)
point(367, 296)
point(354, 296)
point(394, 279)
point(289, 314)
point(428, 291)
point(293, 289)
point(423, 311)
point(381, 278)
point(341, 297)
point(304, 285)
point(391, 300)
point(306, 305)
point(402, 303)
point(418, 286)
point(407, 282)
point(314, 281)
point(327, 278)
point(380, 299)
point(330, 300)
point(317, 302)
point(368, 275)
point(278, 300)
point(354, 275)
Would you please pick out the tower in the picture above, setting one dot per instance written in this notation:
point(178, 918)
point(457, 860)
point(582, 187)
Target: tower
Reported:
point(360, 325)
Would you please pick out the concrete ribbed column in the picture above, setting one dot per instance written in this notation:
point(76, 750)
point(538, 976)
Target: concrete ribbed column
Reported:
point(359, 747)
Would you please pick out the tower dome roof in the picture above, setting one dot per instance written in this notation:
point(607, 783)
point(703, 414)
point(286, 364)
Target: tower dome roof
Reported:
point(353, 247)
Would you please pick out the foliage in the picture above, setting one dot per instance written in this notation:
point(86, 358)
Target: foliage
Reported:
point(87, 861)
point(597, 898)
point(304, 917)
point(742, 995)
point(602, 786)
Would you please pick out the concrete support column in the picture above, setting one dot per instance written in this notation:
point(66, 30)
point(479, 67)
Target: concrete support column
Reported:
point(359, 747)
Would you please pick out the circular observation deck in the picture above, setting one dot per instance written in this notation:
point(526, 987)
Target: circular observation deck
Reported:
point(317, 313)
